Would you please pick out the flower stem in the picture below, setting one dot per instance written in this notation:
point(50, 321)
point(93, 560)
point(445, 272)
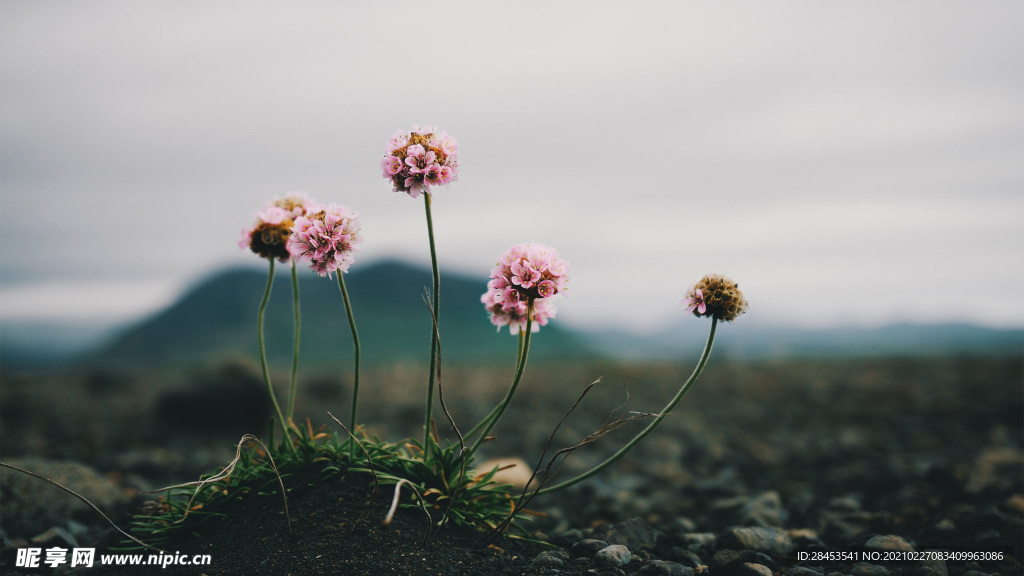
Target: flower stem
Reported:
point(295, 349)
point(263, 350)
point(355, 341)
point(433, 329)
point(491, 421)
point(650, 427)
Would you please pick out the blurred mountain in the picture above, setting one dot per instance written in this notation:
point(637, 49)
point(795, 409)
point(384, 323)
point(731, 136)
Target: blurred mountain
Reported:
point(218, 318)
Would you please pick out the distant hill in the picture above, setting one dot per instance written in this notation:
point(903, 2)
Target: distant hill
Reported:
point(217, 317)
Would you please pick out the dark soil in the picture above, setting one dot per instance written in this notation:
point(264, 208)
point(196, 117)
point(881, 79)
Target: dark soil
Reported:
point(818, 456)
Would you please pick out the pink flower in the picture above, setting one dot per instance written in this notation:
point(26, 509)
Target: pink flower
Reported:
point(327, 239)
point(417, 160)
point(528, 272)
point(268, 236)
point(695, 301)
point(515, 317)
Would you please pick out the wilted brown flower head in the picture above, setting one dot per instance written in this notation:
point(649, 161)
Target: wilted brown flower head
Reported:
point(716, 296)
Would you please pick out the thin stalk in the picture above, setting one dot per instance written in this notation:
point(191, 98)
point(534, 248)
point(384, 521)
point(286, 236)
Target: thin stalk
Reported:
point(355, 341)
point(490, 415)
point(433, 332)
point(295, 349)
point(654, 423)
point(263, 349)
point(512, 389)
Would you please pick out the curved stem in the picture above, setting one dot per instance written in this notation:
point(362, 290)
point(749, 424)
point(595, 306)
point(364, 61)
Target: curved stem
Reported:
point(512, 389)
point(295, 349)
point(650, 427)
point(355, 341)
point(263, 349)
point(433, 329)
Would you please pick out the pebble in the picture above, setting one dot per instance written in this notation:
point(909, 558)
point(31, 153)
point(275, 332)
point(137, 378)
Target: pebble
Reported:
point(567, 538)
point(588, 547)
point(684, 556)
point(931, 568)
point(865, 569)
point(765, 509)
point(635, 534)
point(725, 562)
point(551, 559)
point(888, 543)
point(697, 540)
point(800, 571)
point(663, 568)
point(752, 569)
point(614, 555)
point(766, 540)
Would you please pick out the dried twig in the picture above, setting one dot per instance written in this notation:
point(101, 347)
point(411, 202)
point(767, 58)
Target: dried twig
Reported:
point(83, 499)
point(394, 506)
point(224, 474)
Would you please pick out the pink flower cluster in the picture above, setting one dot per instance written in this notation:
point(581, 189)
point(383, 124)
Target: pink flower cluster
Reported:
point(515, 318)
point(268, 236)
point(326, 239)
point(417, 160)
point(526, 273)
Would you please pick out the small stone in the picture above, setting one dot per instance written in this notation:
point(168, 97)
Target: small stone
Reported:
point(800, 571)
point(684, 556)
point(865, 569)
point(766, 540)
point(683, 525)
point(765, 509)
point(588, 547)
point(752, 569)
point(931, 568)
point(568, 538)
point(634, 534)
point(697, 540)
point(725, 562)
point(614, 555)
point(663, 568)
point(551, 559)
point(1015, 504)
point(888, 543)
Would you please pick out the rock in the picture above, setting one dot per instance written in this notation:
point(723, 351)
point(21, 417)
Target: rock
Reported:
point(800, 571)
point(513, 471)
point(752, 569)
point(663, 568)
point(1015, 504)
point(697, 541)
point(765, 509)
point(588, 547)
point(568, 538)
point(888, 543)
point(32, 505)
point(931, 568)
point(635, 534)
point(683, 556)
point(550, 559)
point(683, 525)
point(865, 569)
point(726, 562)
point(766, 540)
point(614, 555)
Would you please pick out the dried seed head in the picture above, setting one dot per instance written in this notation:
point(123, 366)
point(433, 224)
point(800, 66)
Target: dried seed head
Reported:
point(716, 296)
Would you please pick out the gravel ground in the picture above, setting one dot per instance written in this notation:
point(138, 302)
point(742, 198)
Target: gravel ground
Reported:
point(845, 461)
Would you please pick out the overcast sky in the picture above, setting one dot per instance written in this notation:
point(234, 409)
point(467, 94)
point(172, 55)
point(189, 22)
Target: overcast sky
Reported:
point(848, 163)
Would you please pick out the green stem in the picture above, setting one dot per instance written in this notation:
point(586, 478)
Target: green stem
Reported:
point(355, 341)
point(512, 389)
point(650, 427)
point(490, 415)
point(433, 329)
point(295, 349)
point(263, 349)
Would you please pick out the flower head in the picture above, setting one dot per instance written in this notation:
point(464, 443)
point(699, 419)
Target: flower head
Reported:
point(326, 239)
point(515, 317)
point(414, 161)
point(528, 272)
point(716, 296)
point(268, 237)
